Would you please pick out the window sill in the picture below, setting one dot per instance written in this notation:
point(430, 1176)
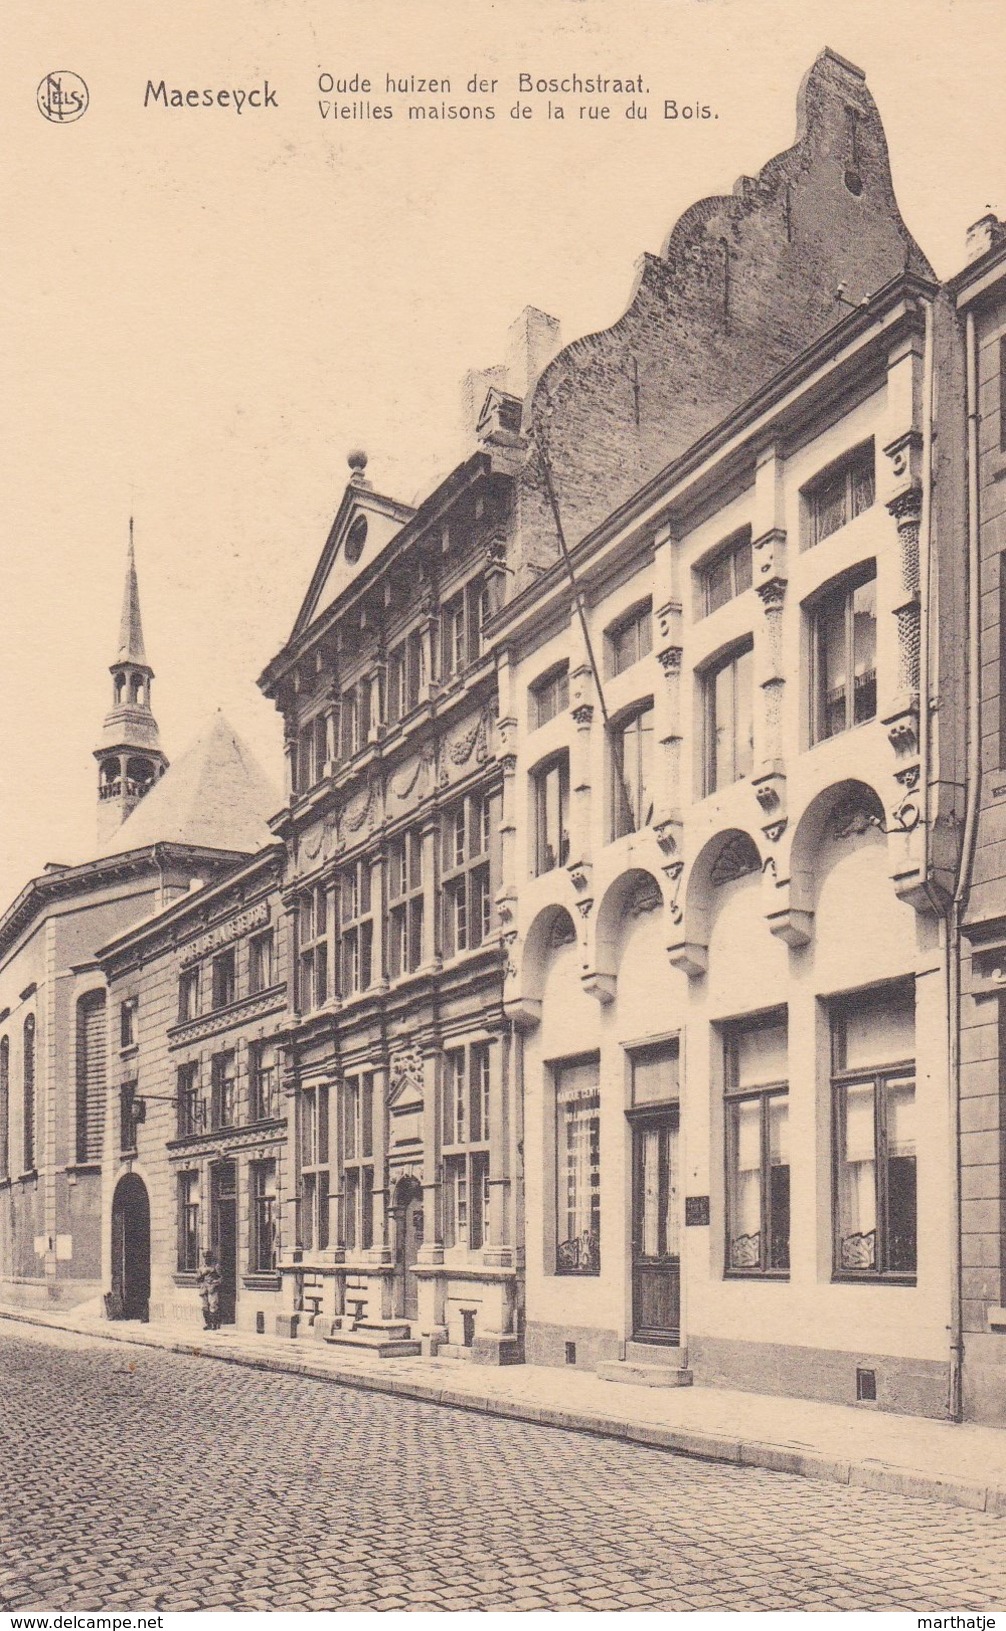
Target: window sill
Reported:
point(27, 1177)
point(79, 1168)
point(262, 1280)
point(186, 1277)
point(778, 1276)
point(872, 1277)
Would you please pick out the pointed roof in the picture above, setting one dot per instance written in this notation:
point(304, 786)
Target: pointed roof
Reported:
point(364, 523)
point(216, 796)
point(131, 649)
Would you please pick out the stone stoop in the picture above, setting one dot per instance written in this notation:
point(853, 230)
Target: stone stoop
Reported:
point(649, 1364)
point(390, 1340)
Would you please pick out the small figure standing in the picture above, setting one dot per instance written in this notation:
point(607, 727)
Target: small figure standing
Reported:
point(209, 1291)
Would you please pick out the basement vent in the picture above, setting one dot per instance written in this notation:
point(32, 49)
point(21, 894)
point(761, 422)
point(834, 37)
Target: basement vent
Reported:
point(260, 1323)
point(866, 1384)
point(571, 1353)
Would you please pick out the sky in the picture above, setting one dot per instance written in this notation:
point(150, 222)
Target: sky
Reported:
point(202, 312)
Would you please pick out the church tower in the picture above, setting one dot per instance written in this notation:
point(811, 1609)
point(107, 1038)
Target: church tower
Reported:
point(129, 759)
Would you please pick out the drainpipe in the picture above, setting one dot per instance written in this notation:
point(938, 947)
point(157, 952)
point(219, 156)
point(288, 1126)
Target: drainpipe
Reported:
point(972, 786)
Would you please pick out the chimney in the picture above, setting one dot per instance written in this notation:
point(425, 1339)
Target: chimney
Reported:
point(532, 341)
point(985, 235)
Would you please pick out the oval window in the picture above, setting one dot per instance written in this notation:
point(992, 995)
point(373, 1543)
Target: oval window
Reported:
point(356, 538)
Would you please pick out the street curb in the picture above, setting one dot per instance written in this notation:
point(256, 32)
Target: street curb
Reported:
point(882, 1477)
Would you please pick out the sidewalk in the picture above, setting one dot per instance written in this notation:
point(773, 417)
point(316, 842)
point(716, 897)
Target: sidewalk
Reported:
point(901, 1455)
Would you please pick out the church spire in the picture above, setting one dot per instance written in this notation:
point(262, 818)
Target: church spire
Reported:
point(129, 758)
point(130, 626)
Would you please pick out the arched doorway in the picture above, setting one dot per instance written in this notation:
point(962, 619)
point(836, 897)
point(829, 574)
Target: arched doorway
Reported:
point(131, 1249)
point(408, 1214)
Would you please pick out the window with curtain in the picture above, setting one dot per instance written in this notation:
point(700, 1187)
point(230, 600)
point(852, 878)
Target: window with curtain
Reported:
point(578, 1168)
point(756, 1102)
point(874, 1150)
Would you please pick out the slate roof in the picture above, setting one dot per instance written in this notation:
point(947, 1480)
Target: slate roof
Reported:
point(216, 796)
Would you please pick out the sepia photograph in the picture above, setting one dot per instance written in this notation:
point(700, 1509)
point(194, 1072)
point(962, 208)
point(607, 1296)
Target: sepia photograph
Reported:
point(503, 827)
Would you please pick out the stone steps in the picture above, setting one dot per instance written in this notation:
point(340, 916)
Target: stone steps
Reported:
point(391, 1341)
point(649, 1364)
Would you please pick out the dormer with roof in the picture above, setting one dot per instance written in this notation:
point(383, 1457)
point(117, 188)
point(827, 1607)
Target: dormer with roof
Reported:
point(130, 758)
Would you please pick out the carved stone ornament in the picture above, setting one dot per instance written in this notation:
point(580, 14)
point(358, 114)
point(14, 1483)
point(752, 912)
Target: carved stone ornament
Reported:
point(909, 777)
point(583, 907)
point(665, 832)
point(646, 897)
point(583, 714)
point(772, 594)
point(673, 873)
point(405, 1070)
point(670, 659)
point(562, 931)
point(736, 859)
point(903, 736)
point(907, 815)
point(767, 796)
point(472, 741)
point(579, 872)
point(775, 829)
point(856, 814)
point(906, 506)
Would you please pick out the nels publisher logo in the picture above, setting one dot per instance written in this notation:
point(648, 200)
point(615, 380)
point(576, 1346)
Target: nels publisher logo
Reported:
point(62, 97)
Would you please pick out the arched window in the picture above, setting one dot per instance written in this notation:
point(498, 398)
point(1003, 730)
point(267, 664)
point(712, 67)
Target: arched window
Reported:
point(5, 1107)
point(28, 1095)
point(120, 687)
point(91, 1075)
point(136, 687)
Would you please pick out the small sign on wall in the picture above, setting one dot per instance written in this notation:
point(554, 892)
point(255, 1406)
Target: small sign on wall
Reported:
point(696, 1211)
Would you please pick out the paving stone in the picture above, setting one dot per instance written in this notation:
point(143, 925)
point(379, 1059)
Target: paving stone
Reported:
point(185, 1484)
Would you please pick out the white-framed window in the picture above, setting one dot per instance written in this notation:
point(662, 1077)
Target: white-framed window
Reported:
point(314, 1169)
point(263, 1080)
point(467, 833)
point(726, 573)
point(223, 1089)
point(550, 814)
point(874, 1135)
point(577, 1167)
point(261, 961)
point(844, 654)
point(129, 1018)
point(466, 1089)
point(549, 696)
point(264, 1244)
point(358, 1161)
point(839, 494)
point(223, 972)
point(629, 639)
point(188, 994)
point(312, 952)
point(189, 1100)
point(405, 903)
point(632, 771)
point(188, 1222)
point(728, 705)
point(356, 928)
point(756, 1107)
point(453, 646)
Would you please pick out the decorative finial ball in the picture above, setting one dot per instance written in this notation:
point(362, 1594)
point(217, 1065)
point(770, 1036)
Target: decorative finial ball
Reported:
point(357, 460)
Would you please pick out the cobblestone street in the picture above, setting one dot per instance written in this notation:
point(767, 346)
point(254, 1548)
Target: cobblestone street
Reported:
point(149, 1480)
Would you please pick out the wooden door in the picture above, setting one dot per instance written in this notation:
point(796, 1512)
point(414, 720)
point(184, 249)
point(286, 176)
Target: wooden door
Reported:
point(656, 1256)
point(225, 1237)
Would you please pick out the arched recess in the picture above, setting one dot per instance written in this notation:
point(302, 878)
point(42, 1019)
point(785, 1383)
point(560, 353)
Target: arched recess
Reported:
point(846, 809)
point(631, 893)
point(553, 927)
point(730, 854)
point(130, 1297)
